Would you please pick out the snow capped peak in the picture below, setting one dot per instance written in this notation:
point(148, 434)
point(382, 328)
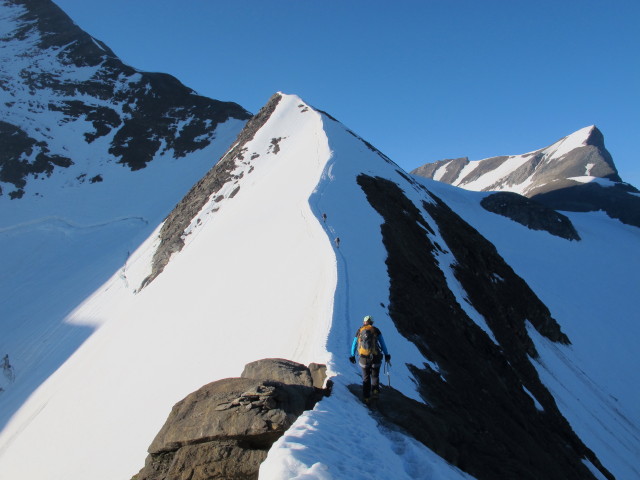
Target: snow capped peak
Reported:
point(566, 176)
point(569, 143)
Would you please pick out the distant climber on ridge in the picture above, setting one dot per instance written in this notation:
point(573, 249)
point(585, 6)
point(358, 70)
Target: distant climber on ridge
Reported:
point(370, 346)
point(8, 369)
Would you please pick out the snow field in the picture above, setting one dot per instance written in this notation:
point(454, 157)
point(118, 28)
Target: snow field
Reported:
point(60, 247)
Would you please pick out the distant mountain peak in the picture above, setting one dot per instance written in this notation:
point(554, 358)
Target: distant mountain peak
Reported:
point(49, 27)
point(576, 173)
point(587, 136)
point(592, 136)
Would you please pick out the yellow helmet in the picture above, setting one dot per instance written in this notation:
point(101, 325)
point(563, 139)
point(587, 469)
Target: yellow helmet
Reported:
point(368, 320)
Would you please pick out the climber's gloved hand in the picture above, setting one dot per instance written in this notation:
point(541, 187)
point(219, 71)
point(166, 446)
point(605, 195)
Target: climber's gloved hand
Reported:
point(352, 359)
point(387, 358)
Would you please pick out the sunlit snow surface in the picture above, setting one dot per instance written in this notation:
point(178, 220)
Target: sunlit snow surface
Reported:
point(261, 276)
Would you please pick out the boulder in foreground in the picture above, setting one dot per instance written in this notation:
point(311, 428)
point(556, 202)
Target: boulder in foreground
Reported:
point(224, 430)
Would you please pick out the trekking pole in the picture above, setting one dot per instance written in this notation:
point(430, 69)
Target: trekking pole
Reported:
point(387, 371)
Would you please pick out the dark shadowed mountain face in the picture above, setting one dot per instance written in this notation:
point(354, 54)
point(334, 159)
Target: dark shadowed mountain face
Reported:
point(530, 213)
point(577, 173)
point(58, 81)
point(477, 415)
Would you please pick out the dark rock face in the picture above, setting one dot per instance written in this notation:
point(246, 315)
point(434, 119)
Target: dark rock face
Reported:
point(477, 414)
point(531, 214)
point(171, 234)
point(225, 429)
point(14, 168)
point(145, 113)
point(57, 30)
point(621, 201)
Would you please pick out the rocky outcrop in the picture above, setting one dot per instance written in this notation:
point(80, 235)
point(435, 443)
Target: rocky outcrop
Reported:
point(530, 213)
point(485, 408)
point(225, 429)
point(591, 157)
point(288, 372)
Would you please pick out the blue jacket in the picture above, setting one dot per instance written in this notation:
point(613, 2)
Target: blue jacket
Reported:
point(381, 345)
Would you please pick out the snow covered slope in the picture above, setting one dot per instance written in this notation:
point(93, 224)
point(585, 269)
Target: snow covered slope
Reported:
point(94, 154)
point(258, 273)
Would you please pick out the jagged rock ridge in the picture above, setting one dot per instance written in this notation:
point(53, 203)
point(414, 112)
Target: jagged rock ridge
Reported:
point(58, 77)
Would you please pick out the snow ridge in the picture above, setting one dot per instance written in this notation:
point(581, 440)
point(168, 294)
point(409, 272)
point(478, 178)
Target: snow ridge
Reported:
point(262, 274)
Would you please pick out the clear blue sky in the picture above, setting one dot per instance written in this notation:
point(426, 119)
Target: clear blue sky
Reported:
point(421, 80)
